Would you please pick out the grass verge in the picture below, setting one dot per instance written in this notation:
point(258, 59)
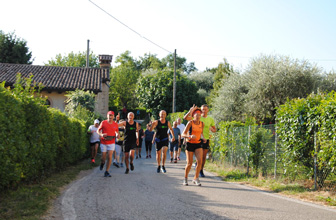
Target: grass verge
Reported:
point(299, 189)
point(32, 201)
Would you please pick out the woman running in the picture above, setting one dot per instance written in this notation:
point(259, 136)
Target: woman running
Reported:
point(194, 134)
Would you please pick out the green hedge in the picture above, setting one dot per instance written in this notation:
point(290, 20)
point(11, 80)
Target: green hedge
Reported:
point(36, 140)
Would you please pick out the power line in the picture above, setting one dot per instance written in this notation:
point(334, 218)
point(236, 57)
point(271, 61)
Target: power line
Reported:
point(129, 27)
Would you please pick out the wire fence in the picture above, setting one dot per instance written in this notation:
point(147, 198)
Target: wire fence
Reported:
point(258, 151)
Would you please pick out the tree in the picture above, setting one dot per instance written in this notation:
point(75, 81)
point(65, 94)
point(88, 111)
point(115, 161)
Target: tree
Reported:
point(229, 105)
point(85, 99)
point(150, 61)
point(74, 60)
point(272, 79)
point(14, 50)
point(222, 72)
point(204, 82)
point(180, 63)
point(124, 82)
point(155, 91)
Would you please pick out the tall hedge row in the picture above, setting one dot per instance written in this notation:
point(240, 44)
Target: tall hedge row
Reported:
point(307, 127)
point(35, 140)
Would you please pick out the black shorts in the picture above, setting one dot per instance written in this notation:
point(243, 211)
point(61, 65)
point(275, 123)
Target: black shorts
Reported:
point(206, 145)
point(128, 147)
point(94, 143)
point(161, 144)
point(181, 143)
point(192, 147)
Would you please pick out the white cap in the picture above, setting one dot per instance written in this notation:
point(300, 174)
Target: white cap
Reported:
point(96, 121)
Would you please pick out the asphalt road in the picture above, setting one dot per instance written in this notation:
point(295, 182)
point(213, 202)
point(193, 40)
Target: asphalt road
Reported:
point(145, 194)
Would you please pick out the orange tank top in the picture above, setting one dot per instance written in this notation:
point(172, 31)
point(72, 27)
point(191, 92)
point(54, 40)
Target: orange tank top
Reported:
point(197, 131)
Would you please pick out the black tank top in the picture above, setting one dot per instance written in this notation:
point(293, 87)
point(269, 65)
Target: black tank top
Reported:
point(130, 133)
point(161, 130)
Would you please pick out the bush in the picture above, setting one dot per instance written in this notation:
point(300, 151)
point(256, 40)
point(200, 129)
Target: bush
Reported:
point(36, 141)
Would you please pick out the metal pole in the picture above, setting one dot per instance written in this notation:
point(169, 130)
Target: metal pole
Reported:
point(315, 162)
point(275, 155)
point(248, 149)
point(87, 53)
point(174, 84)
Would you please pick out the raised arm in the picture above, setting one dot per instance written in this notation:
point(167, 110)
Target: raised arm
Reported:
point(154, 124)
point(188, 116)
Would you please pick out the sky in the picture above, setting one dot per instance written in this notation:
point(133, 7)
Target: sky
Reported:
point(203, 31)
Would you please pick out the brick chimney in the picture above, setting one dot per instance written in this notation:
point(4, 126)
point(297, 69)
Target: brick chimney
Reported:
point(105, 61)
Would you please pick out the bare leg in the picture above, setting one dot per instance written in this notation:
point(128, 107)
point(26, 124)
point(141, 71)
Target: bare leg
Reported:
point(199, 156)
point(109, 159)
point(127, 159)
point(164, 155)
point(190, 156)
point(158, 157)
point(205, 151)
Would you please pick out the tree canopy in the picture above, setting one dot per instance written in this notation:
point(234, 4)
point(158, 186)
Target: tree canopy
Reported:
point(155, 91)
point(74, 60)
point(14, 49)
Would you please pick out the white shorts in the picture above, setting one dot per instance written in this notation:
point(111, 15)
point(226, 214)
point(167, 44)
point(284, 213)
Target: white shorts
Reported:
point(117, 149)
point(107, 147)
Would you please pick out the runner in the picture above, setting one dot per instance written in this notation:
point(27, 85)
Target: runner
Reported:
point(181, 126)
point(107, 130)
point(209, 125)
point(118, 145)
point(174, 144)
point(194, 134)
point(161, 139)
point(94, 139)
point(148, 141)
point(131, 140)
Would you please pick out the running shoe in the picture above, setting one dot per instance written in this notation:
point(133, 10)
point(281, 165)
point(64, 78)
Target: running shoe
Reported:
point(163, 169)
point(196, 182)
point(121, 165)
point(101, 166)
point(139, 155)
point(175, 160)
point(150, 156)
point(171, 160)
point(115, 164)
point(136, 157)
point(147, 157)
point(107, 174)
point(202, 174)
point(127, 170)
point(178, 158)
point(158, 169)
point(185, 182)
point(132, 166)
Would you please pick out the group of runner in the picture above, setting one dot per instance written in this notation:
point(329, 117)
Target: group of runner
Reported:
point(195, 134)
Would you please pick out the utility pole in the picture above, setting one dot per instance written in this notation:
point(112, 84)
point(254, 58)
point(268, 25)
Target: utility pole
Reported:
point(174, 84)
point(87, 53)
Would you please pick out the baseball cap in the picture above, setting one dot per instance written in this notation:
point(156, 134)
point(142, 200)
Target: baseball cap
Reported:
point(96, 121)
point(110, 113)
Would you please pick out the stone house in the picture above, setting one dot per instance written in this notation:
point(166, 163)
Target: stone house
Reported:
point(59, 80)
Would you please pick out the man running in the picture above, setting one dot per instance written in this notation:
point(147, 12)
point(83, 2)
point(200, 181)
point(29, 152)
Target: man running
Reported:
point(107, 130)
point(209, 125)
point(174, 144)
point(131, 140)
point(161, 139)
point(94, 139)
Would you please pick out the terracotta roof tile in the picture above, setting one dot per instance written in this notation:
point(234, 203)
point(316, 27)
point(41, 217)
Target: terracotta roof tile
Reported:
point(55, 78)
